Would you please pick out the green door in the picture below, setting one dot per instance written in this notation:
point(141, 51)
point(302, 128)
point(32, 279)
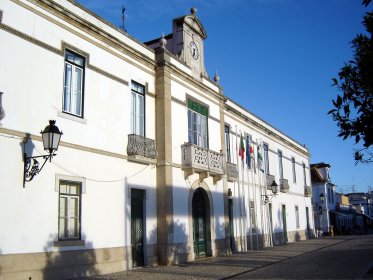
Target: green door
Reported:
point(308, 223)
point(137, 227)
point(284, 223)
point(199, 224)
point(230, 222)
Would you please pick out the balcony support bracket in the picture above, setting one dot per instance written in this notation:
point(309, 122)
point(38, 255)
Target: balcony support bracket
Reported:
point(203, 175)
point(188, 172)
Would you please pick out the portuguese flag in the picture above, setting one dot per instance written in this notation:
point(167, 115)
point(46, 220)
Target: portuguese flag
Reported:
point(242, 148)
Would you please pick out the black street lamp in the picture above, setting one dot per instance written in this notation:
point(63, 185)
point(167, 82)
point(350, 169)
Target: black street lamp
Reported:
point(51, 136)
point(322, 198)
point(266, 197)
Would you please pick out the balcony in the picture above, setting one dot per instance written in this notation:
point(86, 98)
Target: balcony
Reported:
point(141, 149)
point(307, 191)
point(195, 159)
point(232, 172)
point(284, 185)
point(269, 181)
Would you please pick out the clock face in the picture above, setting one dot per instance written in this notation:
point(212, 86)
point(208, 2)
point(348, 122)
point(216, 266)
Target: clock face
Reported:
point(194, 50)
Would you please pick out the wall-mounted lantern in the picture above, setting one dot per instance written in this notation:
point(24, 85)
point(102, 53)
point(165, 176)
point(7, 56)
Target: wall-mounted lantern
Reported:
point(229, 193)
point(2, 112)
point(266, 197)
point(322, 198)
point(51, 136)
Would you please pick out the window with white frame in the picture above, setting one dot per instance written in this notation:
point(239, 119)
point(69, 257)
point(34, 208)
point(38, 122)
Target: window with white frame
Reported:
point(280, 167)
point(69, 210)
point(297, 216)
point(293, 168)
point(137, 109)
point(266, 159)
point(228, 143)
point(73, 84)
point(252, 216)
point(197, 124)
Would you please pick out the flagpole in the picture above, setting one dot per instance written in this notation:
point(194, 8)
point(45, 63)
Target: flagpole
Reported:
point(255, 207)
point(244, 205)
point(248, 162)
point(239, 194)
point(261, 193)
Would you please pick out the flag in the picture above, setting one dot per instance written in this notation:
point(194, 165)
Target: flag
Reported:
point(249, 151)
point(260, 160)
point(242, 148)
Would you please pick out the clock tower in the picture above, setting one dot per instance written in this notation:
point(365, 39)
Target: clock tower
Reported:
point(187, 42)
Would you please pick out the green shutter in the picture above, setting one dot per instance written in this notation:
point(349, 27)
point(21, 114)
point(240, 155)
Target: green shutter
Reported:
point(198, 108)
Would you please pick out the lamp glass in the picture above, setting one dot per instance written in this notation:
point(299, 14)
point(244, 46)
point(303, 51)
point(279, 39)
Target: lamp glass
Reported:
point(51, 137)
point(322, 198)
point(274, 187)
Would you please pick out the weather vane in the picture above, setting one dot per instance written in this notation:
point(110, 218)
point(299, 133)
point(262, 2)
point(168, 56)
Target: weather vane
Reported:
point(123, 18)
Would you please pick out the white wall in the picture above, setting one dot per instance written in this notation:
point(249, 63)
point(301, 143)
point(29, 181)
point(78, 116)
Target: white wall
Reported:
point(93, 149)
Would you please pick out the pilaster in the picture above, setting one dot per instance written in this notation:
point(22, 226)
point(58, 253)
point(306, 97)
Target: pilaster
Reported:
point(164, 148)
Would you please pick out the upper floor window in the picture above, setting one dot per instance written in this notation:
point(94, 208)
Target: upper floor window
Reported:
point(304, 173)
point(293, 168)
point(197, 124)
point(137, 109)
point(73, 84)
point(280, 167)
point(227, 143)
point(69, 210)
point(266, 159)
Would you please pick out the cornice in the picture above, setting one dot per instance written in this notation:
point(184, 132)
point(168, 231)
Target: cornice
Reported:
point(269, 132)
point(98, 33)
point(61, 51)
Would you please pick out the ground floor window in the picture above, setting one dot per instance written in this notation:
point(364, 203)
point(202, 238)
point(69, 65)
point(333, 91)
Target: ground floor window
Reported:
point(252, 216)
point(69, 210)
point(297, 216)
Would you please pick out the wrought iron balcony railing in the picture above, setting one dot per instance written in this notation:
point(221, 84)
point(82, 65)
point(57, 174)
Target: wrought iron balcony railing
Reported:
point(199, 159)
point(141, 146)
point(284, 185)
point(232, 171)
point(307, 191)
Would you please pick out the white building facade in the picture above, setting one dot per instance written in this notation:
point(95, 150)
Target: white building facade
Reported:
point(324, 197)
point(148, 170)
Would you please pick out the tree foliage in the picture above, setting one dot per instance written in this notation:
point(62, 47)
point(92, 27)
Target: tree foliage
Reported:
point(353, 108)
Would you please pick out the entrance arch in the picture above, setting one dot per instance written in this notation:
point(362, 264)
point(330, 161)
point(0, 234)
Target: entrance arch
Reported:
point(200, 225)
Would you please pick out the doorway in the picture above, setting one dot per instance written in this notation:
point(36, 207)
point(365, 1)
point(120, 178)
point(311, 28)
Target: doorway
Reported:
point(308, 223)
point(137, 226)
point(284, 223)
point(201, 221)
point(230, 223)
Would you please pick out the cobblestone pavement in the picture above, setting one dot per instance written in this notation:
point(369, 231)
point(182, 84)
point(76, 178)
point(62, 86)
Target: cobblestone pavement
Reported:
point(235, 266)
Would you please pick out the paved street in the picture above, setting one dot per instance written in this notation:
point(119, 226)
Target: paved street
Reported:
point(341, 257)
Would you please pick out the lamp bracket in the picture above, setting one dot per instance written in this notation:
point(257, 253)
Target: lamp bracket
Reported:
point(31, 170)
point(265, 198)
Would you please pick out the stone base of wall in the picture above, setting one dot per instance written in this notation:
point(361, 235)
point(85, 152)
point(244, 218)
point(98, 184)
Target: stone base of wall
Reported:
point(221, 248)
point(255, 242)
point(65, 264)
point(298, 235)
point(293, 236)
point(184, 252)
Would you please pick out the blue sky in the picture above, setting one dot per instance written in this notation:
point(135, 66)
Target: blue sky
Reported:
point(274, 57)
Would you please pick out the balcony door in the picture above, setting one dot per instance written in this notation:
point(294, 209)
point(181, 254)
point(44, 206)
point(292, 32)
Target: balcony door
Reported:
point(197, 124)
